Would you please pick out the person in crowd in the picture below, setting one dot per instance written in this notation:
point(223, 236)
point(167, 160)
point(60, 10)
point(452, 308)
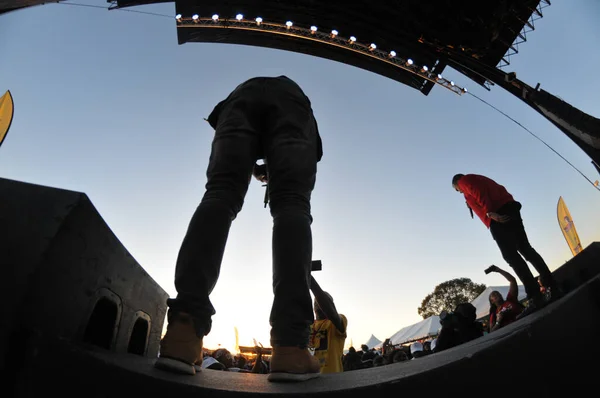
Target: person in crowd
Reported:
point(328, 332)
point(504, 311)
point(352, 360)
point(267, 118)
point(458, 327)
point(209, 362)
point(399, 356)
point(260, 365)
point(501, 214)
point(416, 350)
point(367, 354)
point(379, 360)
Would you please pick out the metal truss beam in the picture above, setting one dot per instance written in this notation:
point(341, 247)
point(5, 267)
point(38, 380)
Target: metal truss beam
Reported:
point(331, 39)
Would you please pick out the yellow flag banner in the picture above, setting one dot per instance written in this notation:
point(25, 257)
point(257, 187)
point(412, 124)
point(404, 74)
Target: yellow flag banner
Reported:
point(6, 114)
point(237, 339)
point(567, 226)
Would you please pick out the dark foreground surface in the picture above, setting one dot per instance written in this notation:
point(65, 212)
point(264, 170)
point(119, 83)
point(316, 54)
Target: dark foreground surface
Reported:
point(550, 353)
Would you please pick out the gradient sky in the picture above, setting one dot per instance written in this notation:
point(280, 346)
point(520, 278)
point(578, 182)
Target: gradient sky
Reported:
point(107, 103)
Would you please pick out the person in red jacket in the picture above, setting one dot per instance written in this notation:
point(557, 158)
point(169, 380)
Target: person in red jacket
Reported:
point(501, 214)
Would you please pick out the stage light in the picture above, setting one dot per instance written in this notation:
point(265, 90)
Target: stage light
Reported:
point(215, 17)
point(178, 17)
point(439, 77)
point(352, 39)
point(239, 17)
point(289, 24)
point(334, 33)
point(313, 29)
point(372, 46)
point(464, 90)
point(452, 83)
point(409, 61)
point(258, 20)
point(195, 18)
point(424, 69)
point(392, 54)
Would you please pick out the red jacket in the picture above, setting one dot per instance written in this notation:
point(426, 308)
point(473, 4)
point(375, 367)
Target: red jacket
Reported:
point(483, 195)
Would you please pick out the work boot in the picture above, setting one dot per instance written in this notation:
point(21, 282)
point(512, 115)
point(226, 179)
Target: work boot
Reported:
point(293, 364)
point(181, 347)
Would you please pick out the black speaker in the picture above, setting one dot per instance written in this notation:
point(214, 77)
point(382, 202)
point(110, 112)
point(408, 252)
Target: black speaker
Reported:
point(66, 275)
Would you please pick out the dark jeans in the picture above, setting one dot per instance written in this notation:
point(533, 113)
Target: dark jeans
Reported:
point(269, 116)
point(513, 243)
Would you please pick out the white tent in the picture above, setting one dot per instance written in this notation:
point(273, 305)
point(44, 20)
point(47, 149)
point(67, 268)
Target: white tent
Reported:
point(425, 328)
point(482, 302)
point(373, 342)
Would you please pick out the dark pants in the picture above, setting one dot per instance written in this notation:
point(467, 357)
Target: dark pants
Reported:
point(514, 246)
point(270, 117)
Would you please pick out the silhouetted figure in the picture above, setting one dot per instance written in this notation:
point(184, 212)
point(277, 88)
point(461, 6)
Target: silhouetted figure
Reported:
point(458, 327)
point(328, 331)
point(504, 311)
point(501, 213)
point(266, 118)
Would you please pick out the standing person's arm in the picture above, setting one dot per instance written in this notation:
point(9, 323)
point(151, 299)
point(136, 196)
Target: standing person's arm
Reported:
point(260, 172)
point(258, 364)
point(468, 184)
point(513, 290)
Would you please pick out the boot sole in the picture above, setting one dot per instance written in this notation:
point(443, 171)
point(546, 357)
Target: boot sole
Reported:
point(282, 376)
point(175, 366)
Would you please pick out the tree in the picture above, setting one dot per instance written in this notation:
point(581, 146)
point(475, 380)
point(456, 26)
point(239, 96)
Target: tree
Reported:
point(447, 295)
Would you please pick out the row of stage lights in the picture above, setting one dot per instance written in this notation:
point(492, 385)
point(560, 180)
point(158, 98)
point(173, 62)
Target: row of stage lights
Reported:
point(405, 64)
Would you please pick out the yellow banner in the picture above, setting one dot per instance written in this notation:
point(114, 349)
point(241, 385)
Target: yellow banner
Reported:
point(6, 114)
point(237, 339)
point(567, 226)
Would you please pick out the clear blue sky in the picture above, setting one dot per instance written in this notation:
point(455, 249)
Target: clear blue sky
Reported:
point(108, 103)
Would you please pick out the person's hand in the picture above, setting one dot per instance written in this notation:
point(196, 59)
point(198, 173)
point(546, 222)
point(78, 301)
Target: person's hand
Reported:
point(260, 172)
point(492, 268)
point(499, 217)
point(499, 317)
point(258, 349)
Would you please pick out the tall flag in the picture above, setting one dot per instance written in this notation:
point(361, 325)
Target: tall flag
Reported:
point(567, 226)
point(237, 339)
point(6, 114)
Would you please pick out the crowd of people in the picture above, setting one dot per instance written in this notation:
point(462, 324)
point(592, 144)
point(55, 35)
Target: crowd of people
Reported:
point(271, 119)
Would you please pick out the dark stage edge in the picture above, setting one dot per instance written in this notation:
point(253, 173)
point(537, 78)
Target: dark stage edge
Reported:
point(549, 353)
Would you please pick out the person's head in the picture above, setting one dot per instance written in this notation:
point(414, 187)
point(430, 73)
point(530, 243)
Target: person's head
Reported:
point(211, 363)
point(364, 347)
point(466, 311)
point(399, 356)
point(496, 299)
point(318, 311)
point(378, 361)
point(455, 180)
point(433, 344)
point(224, 356)
point(416, 349)
point(427, 346)
point(352, 350)
point(239, 361)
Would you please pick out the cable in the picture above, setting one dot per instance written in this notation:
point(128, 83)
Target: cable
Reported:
point(542, 141)
point(116, 9)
